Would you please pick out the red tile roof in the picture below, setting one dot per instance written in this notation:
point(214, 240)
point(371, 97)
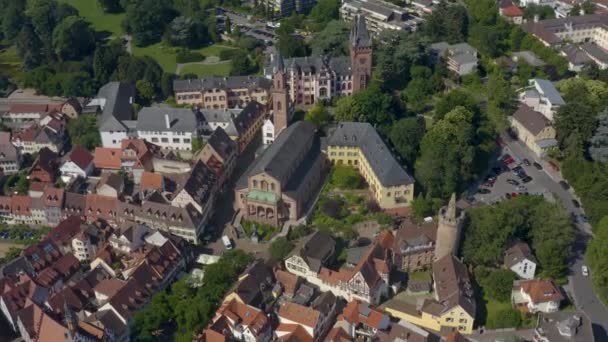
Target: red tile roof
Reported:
point(151, 181)
point(300, 314)
point(63, 233)
point(512, 11)
point(541, 291)
point(28, 108)
point(21, 204)
point(374, 317)
point(98, 206)
point(53, 197)
point(295, 333)
point(107, 158)
point(80, 156)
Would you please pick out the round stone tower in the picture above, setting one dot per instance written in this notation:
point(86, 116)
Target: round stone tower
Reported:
point(449, 229)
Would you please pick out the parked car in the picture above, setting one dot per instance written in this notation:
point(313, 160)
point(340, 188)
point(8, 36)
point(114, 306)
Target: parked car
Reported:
point(483, 191)
point(518, 169)
point(526, 179)
point(522, 188)
point(508, 195)
point(512, 182)
point(585, 271)
point(564, 185)
point(576, 204)
point(537, 166)
point(526, 162)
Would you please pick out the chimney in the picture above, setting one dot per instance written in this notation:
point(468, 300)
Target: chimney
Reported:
point(167, 121)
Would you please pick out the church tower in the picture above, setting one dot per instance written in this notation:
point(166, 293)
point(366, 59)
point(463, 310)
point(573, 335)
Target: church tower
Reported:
point(280, 95)
point(449, 229)
point(360, 54)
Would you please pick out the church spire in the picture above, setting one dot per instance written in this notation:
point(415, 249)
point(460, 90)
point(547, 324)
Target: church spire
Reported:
point(451, 211)
point(359, 35)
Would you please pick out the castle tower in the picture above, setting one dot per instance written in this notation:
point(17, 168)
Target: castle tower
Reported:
point(449, 229)
point(360, 54)
point(280, 96)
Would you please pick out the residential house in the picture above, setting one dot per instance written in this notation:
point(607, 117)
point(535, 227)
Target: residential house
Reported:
point(169, 128)
point(519, 259)
point(308, 79)
point(533, 129)
point(151, 181)
point(220, 154)
point(128, 238)
point(536, 295)
point(238, 321)
point(241, 124)
point(543, 97)
point(10, 158)
point(14, 295)
point(316, 319)
point(575, 29)
point(363, 321)
point(461, 58)
point(198, 189)
point(77, 163)
point(359, 145)
point(110, 185)
point(287, 7)
point(368, 280)
point(45, 166)
point(406, 331)
point(115, 102)
point(23, 114)
point(281, 184)
point(131, 297)
point(254, 286)
point(52, 200)
point(99, 207)
point(33, 138)
point(453, 305)
point(563, 327)
point(21, 210)
point(507, 9)
point(287, 284)
point(414, 247)
point(216, 92)
point(57, 275)
point(380, 16)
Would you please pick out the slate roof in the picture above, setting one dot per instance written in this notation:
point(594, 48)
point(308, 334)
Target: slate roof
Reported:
point(238, 120)
point(453, 286)
point(315, 249)
point(222, 144)
point(359, 36)
point(340, 65)
point(517, 253)
point(180, 119)
point(219, 82)
point(375, 151)
point(284, 151)
point(545, 29)
point(411, 235)
point(595, 52)
point(532, 120)
point(80, 156)
point(549, 91)
point(198, 183)
point(118, 98)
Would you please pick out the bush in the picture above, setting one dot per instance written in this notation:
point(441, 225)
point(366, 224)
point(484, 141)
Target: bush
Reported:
point(497, 284)
point(333, 208)
point(227, 54)
point(185, 56)
point(280, 248)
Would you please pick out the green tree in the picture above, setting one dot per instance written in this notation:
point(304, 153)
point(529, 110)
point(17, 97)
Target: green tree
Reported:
point(105, 60)
point(23, 185)
point(447, 23)
point(406, 135)
point(371, 104)
point(73, 39)
point(13, 19)
point(588, 7)
point(598, 144)
point(453, 99)
point(318, 115)
point(280, 249)
point(292, 46)
point(597, 254)
point(395, 54)
point(147, 19)
point(28, 46)
point(242, 64)
point(325, 11)
point(447, 154)
point(332, 40)
point(496, 283)
point(145, 92)
point(84, 132)
point(575, 118)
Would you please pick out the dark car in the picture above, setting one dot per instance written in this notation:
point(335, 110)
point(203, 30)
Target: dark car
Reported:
point(483, 191)
point(526, 179)
point(537, 166)
point(497, 170)
point(576, 204)
point(526, 162)
point(517, 169)
point(522, 175)
point(508, 195)
point(564, 185)
point(512, 182)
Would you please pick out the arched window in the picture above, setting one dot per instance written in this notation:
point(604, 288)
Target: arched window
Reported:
point(279, 106)
point(255, 183)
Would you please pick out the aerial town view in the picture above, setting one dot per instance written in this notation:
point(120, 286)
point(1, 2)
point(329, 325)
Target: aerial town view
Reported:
point(304, 170)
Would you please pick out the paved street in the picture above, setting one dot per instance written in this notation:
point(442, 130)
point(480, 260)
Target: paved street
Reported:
point(579, 286)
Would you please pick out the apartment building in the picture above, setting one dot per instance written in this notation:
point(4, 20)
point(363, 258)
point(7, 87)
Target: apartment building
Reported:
point(10, 158)
point(536, 295)
point(533, 129)
point(169, 128)
point(287, 7)
point(380, 15)
point(542, 96)
point(114, 101)
point(461, 58)
point(360, 146)
point(216, 92)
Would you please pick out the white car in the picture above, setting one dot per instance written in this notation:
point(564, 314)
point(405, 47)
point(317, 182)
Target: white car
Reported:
point(585, 271)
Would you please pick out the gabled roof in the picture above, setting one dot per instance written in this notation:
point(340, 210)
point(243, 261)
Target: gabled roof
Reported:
point(453, 286)
point(221, 143)
point(540, 290)
point(530, 119)
point(315, 249)
point(155, 119)
point(219, 82)
point(300, 314)
point(80, 156)
point(198, 183)
point(151, 181)
point(376, 152)
point(357, 312)
point(107, 158)
point(517, 253)
point(547, 88)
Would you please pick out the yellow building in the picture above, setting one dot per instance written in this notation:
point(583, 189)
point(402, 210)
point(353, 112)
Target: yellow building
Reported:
point(533, 129)
point(359, 145)
point(217, 92)
point(454, 303)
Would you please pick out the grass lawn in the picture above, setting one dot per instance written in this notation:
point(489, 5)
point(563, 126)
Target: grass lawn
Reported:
point(200, 70)
point(101, 21)
point(164, 55)
point(420, 275)
point(213, 50)
point(10, 63)
point(265, 232)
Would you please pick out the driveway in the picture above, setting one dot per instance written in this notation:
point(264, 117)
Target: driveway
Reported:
point(580, 287)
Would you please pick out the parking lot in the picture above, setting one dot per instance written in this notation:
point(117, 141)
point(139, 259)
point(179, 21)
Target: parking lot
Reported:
point(509, 177)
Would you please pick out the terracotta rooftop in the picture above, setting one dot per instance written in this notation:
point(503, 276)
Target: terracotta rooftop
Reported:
point(80, 156)
point(357, 312)
point(540, 291)
point(109, 287)
point(300, 314)
point(292, 333)
point(151, 180)
point(107, 158)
